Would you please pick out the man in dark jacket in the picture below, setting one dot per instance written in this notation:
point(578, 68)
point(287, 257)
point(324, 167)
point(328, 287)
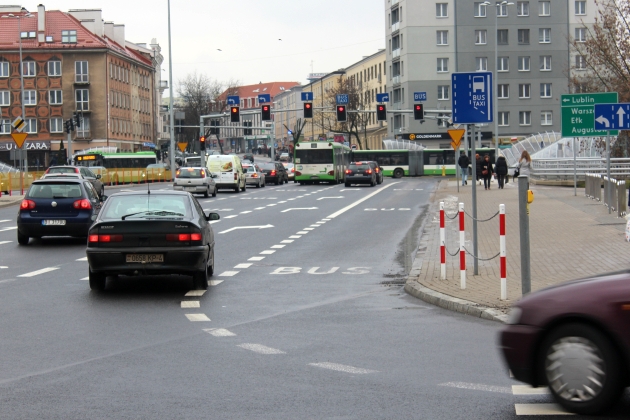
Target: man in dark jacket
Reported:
point(501, 170)
point(463, 163)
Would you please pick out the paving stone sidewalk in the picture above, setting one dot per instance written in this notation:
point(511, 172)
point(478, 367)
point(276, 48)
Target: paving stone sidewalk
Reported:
point(571, 237)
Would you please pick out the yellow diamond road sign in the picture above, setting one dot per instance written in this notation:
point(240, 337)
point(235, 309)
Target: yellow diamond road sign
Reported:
point(19, 138)
point(182, 146)
point(19, 124)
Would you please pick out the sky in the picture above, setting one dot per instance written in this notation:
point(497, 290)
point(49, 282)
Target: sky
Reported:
point(260, 40)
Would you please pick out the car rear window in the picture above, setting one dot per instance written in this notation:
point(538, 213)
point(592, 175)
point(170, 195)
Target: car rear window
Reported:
point(267, 166)
point(249, 169)
point(55, 190)
point(360, 166)
point(119, 206)
point(62, 171)
point(191, 173)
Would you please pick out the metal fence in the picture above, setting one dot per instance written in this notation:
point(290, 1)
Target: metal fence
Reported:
point(618, 201)
point(562, 169)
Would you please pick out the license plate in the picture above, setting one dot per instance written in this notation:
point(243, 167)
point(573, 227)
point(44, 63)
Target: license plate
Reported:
point(190, 188)
point(145, 258)
point(358, 175)
point(53, 222)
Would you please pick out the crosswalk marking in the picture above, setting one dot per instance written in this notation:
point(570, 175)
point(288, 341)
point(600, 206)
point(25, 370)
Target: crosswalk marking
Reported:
point(219, 332)
point(309, 229)
point(215, 282)
point(5, 242)
point(82, 259)
point(302, 232)
point(195, 293)
point(540, 410)
point(197, 317)
point(244, 265)
point(259, 348)
point(268, 252)
point(342, 368)
point(287, 241)
point(295, 236)
point(278, 246)
point(38, 272)
point(190, 304)
point(528, 390)
point(228, 273)
point(4, 221)
point(85, 278)
point(256, 259)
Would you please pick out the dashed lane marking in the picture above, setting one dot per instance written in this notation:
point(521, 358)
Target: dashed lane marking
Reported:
point(478, 387)
point(231, 217)
point(195, 293)
point(343, 368)
point(540, 410)
point(4, 221)
point(190, 304)
point(228, 273)
point(271, 205)
point(309, 229)
point(197, 317)
point(215, 282)
point(259, 348)
point(326, 220)
point(82, 259)
point(302, 232)
point(8, 228)
point(256, 259)
point(246, 211)
point(38, 272)
point(245, 265)
point(295, 236)
point(315, 225)
point(281, 202)
point(85, 278)
point(5, 242)
point(268, 252)
point(278, 246)
point(219, 332)
point(528, 390)
point(259, 208)
point(287, 241)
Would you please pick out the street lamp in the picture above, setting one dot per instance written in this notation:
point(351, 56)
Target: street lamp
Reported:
point(498, 4)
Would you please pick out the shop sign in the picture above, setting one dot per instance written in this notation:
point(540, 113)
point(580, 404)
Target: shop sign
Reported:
point(30, 145)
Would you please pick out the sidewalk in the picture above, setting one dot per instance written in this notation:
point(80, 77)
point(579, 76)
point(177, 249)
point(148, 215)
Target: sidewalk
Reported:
point(570, 237)
point(8, 200)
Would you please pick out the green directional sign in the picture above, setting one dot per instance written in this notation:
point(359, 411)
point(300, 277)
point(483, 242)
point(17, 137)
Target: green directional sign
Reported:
point(578, 113)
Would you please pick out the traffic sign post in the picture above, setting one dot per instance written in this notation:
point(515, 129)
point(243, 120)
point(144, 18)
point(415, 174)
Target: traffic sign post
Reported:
point(343, 99)
point(578, 114)
point(419, 96)
point(612, 117)
point(472, 101)
point(382, 97)
point(307, 96)
point(456, 139)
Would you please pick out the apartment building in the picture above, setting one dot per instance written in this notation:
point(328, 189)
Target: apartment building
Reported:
point(288, 108)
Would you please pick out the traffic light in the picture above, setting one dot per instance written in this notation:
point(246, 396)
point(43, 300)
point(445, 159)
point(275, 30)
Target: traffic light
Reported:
point(341, 113)
point(418, 112)
point(202, 143)
point(69, 126)
point(235, 114)
point(247, 131)
point(77, 119)
point(308, 110)
point(214, 127)
point(266, 113)
point(381, 113)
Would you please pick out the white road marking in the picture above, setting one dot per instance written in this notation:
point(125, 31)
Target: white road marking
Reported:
point(259, 208)
point(290, 199)
point(271, 205)
point(315, 225)
point(281, 202)
point(295, 236)
point(190, 304)
point(304, 208)
point(342, 368)
point(302, 232)
point(247, 227)
point(5, 242)
point(231, 217)
point(219, 332)
point(214, 221)
point(82, 259)
point(228, 273)
point(324, 198)
point(85, 278)
point(478, 387)
point(215, 282)
point(248, 198)
point(246, 211)
point(38, 272)
point(8, 228)
point(540, 410)
point(308, 229)
point(259, 348)
point(268, 252)
point(287, 241)
point(278, 246)
point(528, 390)
point(404, 209)
point(356, 203)
point(244, 265)
point(197, 317)
point(4, 221)
point(195, 293)
point(256, 259)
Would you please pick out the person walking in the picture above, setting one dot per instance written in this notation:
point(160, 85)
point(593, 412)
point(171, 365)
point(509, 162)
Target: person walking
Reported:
point(501, 169)
point(478, 168)
point(463, 163)
point(524, 166)
point(486, 171)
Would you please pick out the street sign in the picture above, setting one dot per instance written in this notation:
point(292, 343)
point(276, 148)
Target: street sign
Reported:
point(275, 145)
point(234, 100)
point(612, 117)
point(264, 98)
point(382, 97)
point(307, 96)
point(182, 146)
point(578, 113)
point(18, 139)
point(419, 96)
point(354, 146)
point(456, 135)
point(472, 100)
point(343, 99)
point(19, 124)
point(455, 144)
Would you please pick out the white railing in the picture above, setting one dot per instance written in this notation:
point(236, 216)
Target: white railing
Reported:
point(549, 169)
point(395, 26)
point(396, 53)
point(396, 80)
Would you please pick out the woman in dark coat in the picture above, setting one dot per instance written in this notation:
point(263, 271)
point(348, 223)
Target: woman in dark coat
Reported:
point(478, 168)
point(501, 169)
point(486, 165)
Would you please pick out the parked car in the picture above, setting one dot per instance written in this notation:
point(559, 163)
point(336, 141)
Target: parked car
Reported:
point(249, 156)
point(377, 170)
point(274, 172)
point(575, 339)
point(284, 157)
point(81, 171)
point(196, 181)
point(229, 171)
point(290, 168)
point(164, 232)
point(57, 207)
point(254, 175)
point(360, 173)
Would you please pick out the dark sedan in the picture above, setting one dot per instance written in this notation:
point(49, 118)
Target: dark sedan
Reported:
point(360, 173)
point(574, 338)
point(274, 172)
point(57, 207)
point(142, 233)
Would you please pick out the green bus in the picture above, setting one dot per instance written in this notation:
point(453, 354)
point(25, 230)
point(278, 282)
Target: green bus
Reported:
point(320, 161)
point(434, 159)
point(121, 168)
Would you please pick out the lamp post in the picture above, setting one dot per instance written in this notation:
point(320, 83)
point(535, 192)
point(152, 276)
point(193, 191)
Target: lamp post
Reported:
point(170, 83)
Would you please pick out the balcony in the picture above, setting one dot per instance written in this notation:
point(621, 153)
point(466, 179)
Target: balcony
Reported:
point(396, 53)
point(395, 27)
point(396, 80)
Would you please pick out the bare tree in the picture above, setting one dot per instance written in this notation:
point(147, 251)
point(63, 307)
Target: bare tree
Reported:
point(297, 130)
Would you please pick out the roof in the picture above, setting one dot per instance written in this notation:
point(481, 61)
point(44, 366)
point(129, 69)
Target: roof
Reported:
point(252, 91)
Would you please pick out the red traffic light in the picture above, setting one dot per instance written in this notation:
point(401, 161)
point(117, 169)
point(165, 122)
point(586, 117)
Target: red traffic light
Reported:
point(308, 106)
point(265, 108)
point(202, 139)
point(381, 107)
point(342, 108)
point(234, 109)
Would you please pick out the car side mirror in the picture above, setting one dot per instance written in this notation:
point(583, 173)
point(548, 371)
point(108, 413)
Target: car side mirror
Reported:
point(212, 216)
point(103, 198)
point(98, 177)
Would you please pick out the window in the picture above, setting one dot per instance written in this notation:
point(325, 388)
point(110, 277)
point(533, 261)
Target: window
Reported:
point(5, 126)
point(442, 37)
point(580, 34)
point(56, 125)
point(30, 97)
point(81, 72)
point(546, 117)
point(5, 98)
point(502, 10)
point(31, 125)
point(523, 36)
point(544, 8)
point(482, 63)
point(481, 36)
point(522, 8)
point(54, 68)
point(503, 91)
point(504, 118)
point(503, 63)
point(28, 68)
point(580, 7)
point(502, 37)
point(442, 65)
point(441, 10)
point(69, 37)
point(84, 130)
point(545, 63)
point(544, 35)
point(480, 9)
point(545, 90)
point(82, 97)
point(55, 97)
point(523, 64)
point(444, 93)
point(525, 118)
point(524, 90)
point(4, 69)
point(580, 62)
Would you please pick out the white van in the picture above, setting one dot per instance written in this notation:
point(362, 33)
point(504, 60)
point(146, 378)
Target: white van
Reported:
point(228, 170)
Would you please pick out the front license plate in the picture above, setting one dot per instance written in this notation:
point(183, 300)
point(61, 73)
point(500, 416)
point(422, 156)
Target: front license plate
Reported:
point(53, 222)
point(145, 258)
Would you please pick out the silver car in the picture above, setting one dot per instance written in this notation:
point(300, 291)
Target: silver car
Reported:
point(76, 172)
point(195, 180)
point(253, 175)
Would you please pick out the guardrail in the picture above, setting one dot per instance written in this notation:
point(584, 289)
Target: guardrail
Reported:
point(618, 192)
point(554, 169)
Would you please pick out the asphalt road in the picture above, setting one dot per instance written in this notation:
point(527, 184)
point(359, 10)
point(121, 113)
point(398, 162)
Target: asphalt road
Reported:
point(306, 318)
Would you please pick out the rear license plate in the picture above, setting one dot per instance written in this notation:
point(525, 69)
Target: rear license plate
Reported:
point(314, 177)
point(190, 188)
point(53, 222)
point(358, 175)
point(145, 258)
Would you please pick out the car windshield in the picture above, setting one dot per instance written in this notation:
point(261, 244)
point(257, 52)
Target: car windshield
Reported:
point(62, 171)
point(191, 173)
point(249, 169)
point(54, 190)
point(146, 207)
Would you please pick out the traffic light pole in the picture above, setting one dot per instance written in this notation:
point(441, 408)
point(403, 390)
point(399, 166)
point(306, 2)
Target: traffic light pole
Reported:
point(69, 157)
point(202, 152)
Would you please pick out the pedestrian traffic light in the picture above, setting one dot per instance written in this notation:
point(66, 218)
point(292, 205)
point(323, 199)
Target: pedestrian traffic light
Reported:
point(266, 113)
point(77, 119)
point(418, 112)
point(381, 113)
point(202, 143)
point(308, 110)
point(235, 114)
point(341, 113)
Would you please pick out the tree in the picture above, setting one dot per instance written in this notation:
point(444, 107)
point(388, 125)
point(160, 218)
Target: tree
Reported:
point(297, 130)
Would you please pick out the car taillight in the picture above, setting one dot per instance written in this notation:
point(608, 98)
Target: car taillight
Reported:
point(203, 174)
point(183, 237)
point(292, 170)
point(273, 173)
point(235, 176)
point(255, 176)
point(348, 171)
point(76, 170)
point(177, 173)
point(376, 170)
point(82, 204)
point(105, 238)
point(369, 172)
point(27, 205)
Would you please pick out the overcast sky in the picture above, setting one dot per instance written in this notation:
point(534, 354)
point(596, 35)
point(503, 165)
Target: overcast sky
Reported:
point(331, 34)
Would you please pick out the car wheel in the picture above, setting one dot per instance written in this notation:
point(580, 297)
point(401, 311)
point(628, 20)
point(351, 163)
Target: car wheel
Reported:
point(211, 268)
point(206, 193)
point(398, 173)
point(22, 239)
point(97, 281)
point(347, 184)
point(277, 181)
point(214, 193)
point(200, 280)
point(244, 186)
point(258, 185)
point(237, 188)
point(582, 368)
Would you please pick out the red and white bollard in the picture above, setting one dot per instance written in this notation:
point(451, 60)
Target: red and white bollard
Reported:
point(442, 242)
point(462, 249)
point(502, 251)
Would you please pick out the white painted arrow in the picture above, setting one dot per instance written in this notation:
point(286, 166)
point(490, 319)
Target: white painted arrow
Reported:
point(305, 208)
point(323, 198)
point(247, 227)
point(621, 113)
point(602, 120)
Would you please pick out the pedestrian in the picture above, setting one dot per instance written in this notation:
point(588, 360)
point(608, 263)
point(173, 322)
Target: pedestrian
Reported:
point(501, 170)
point(464, 163)
point(524, 166)
point(478, 168)
point(486, 171)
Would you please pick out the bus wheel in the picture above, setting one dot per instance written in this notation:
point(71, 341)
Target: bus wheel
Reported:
point(398, 173)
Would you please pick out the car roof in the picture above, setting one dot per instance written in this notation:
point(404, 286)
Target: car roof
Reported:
point(73, 180)
point(65, 166)
point(192, 167)
point(153, 192)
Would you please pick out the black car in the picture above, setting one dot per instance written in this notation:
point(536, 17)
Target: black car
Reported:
point(248, 156)
point(57, 207)
point(360, 173)
point(378, 170)
point(151, 233)
point(274, 172)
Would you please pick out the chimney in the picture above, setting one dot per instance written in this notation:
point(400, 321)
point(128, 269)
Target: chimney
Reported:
point(119, 35)
point(109, 30)
point(41, 24)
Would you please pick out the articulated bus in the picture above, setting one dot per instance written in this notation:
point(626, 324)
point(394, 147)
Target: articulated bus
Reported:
point(434, 159)
point(320, 161)
point(121, 168)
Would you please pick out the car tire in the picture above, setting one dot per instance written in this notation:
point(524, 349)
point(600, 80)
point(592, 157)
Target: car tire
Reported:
point(398, 173)
point(206, 193)
point(200, 280)
point(237, 188)
point(594, 364)
point(347, 184)
point(214, 193)
point(98, 281)
point(211, 267)
point(22, 239)
point(244, 186)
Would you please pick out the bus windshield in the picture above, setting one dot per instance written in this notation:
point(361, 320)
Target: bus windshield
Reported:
point(319, 156)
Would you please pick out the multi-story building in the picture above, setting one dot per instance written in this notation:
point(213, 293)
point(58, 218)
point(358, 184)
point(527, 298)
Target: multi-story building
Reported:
point(288, 108)
point(428, 40)
point(320, 86)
